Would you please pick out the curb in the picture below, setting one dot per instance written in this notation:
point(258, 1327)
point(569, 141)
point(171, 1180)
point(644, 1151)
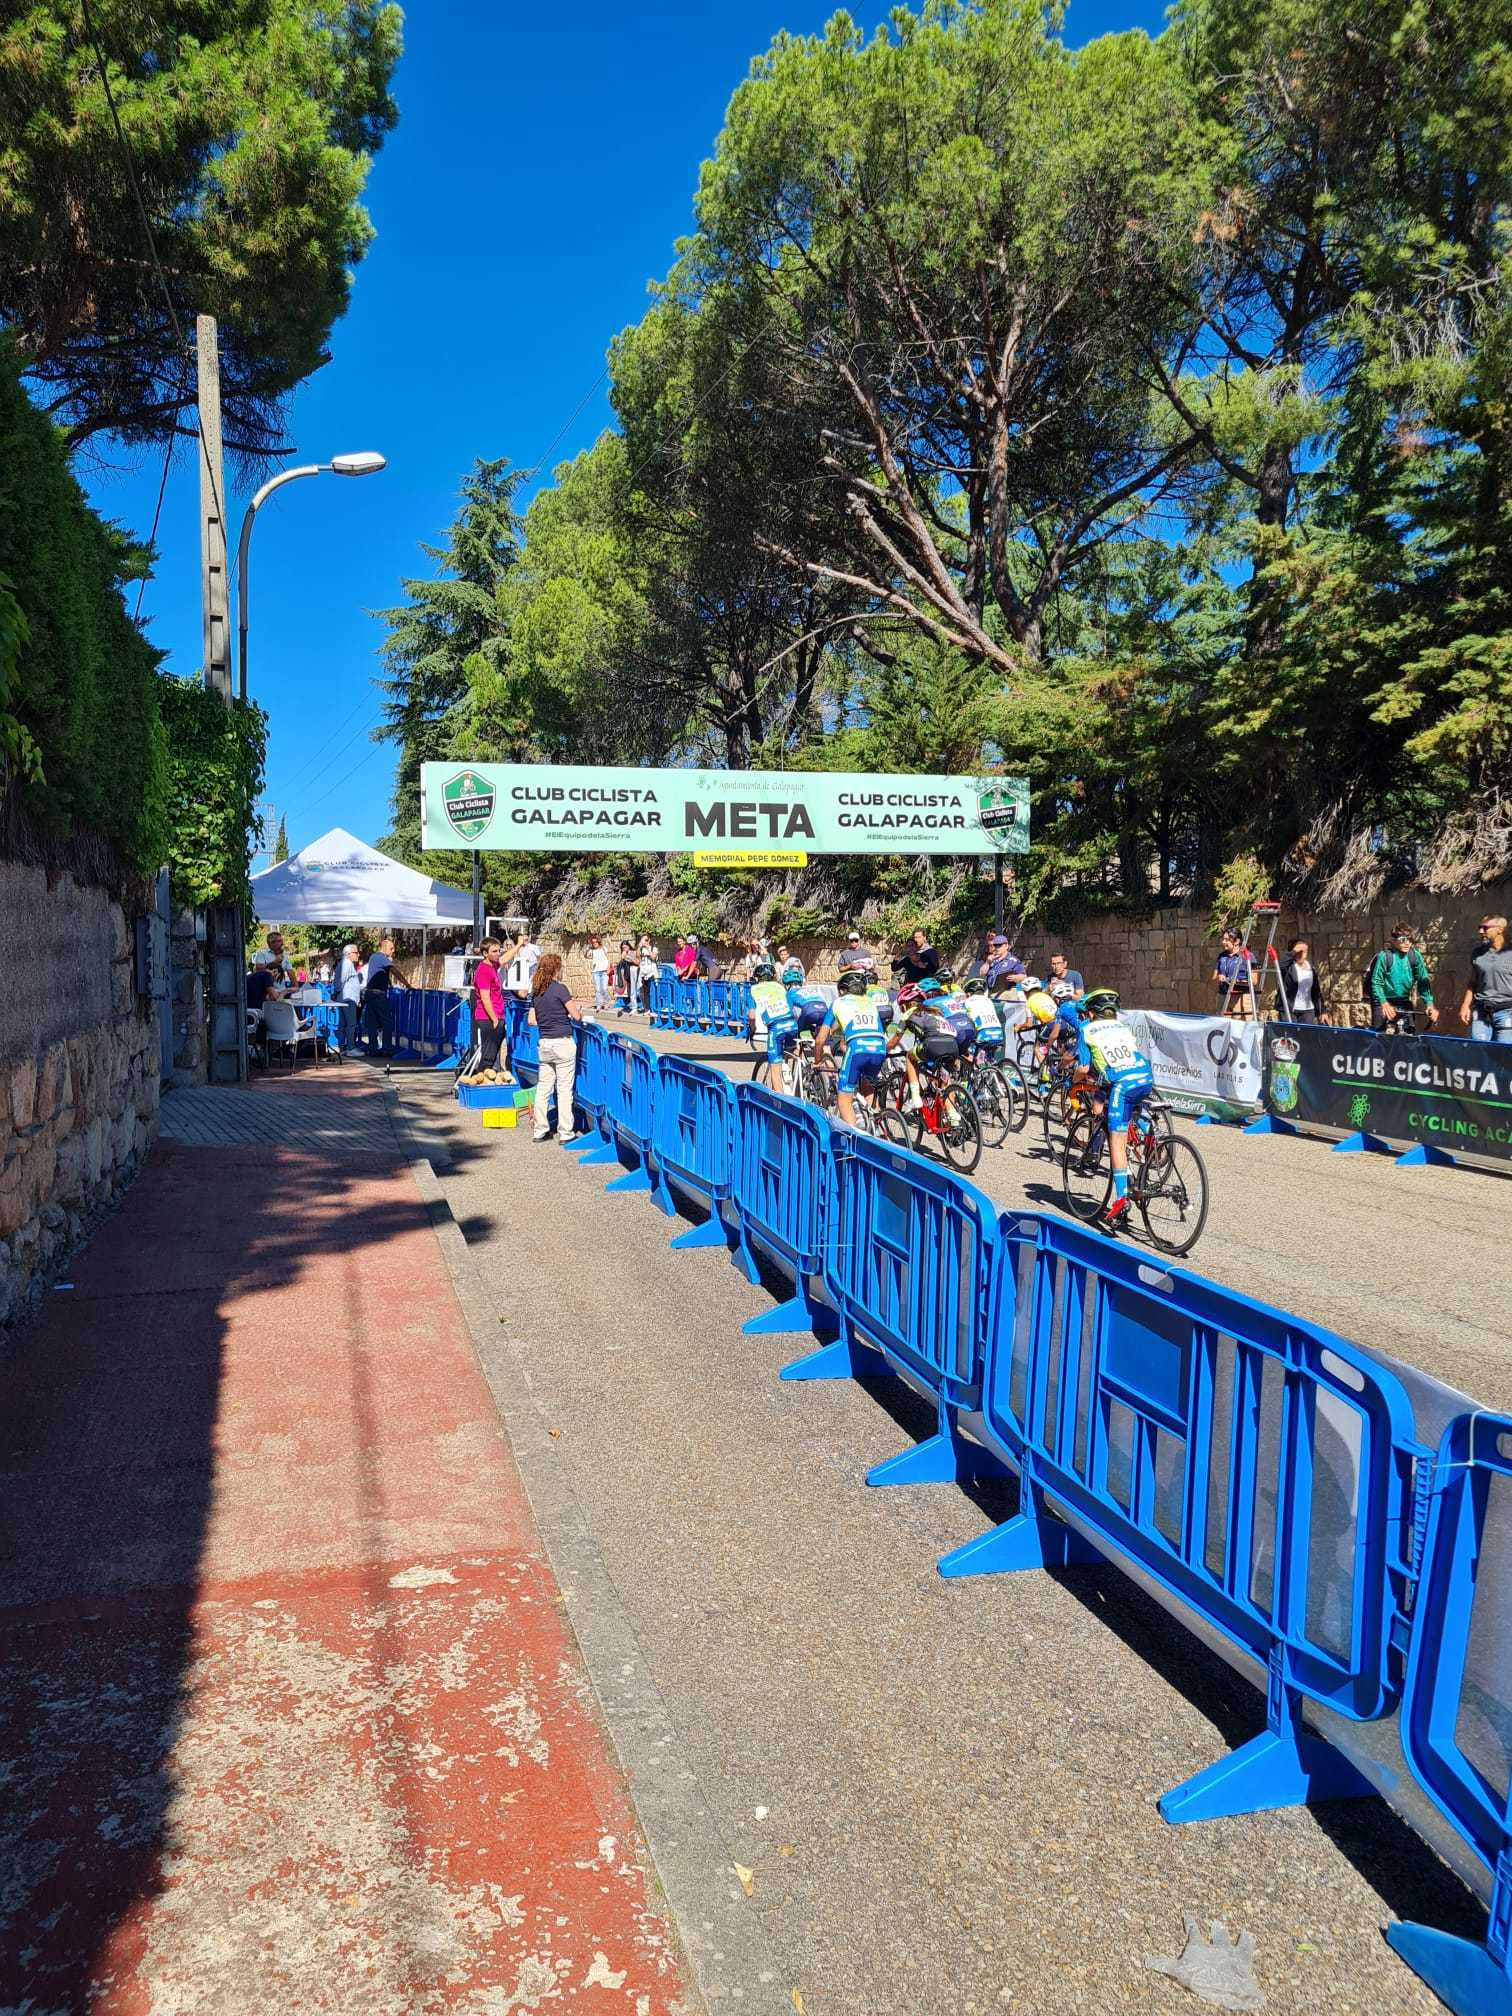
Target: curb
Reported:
point(731, 1954)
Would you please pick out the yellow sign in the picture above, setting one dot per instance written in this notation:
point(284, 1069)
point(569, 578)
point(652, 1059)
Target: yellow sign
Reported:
point(732, 857)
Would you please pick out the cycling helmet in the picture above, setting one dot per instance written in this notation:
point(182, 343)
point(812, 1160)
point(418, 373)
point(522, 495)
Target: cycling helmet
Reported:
point(974, 983)
point(909, 996)
point(930, 988)
point(1041, 1008)
point(852, 982)
point(792, 974)
point(1101, 1001)
point(946, 978)
point(764, 970)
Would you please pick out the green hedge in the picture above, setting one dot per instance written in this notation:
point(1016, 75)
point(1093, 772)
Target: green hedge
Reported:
point(81, 687)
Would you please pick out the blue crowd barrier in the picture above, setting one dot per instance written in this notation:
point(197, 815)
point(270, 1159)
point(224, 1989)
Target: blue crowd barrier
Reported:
point(694, 1146)
point(1259, 1474)
point(781, 1179)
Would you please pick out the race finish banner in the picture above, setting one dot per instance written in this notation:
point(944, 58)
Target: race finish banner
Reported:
point(548, 807)
point(1444, 1092)
point(1202, 1063)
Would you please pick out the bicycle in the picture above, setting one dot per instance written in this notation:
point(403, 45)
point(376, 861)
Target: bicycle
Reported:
point(1000, 1107)
point(947, 1116)
point(1168, 1179)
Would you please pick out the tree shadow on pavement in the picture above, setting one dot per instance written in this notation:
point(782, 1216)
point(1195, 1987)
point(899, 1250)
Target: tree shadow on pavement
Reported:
point(130, 1482)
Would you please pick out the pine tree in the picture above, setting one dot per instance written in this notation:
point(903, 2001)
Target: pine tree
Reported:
point(281, 844)
point(445, 626)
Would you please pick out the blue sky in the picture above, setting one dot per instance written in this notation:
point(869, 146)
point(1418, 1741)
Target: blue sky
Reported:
point(543, 167)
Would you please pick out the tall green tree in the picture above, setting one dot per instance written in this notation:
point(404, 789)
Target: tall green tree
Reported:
point(962, 240)
point(281, 844)
point(251, 124)
point(447, 636)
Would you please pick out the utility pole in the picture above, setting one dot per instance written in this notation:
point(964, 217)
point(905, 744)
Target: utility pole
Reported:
point(212, 490)
point(225, 931)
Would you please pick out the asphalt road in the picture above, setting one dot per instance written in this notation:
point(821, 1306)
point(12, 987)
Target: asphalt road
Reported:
point(945, 1792)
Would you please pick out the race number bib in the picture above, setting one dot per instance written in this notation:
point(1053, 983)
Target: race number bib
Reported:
point(1114, 1049)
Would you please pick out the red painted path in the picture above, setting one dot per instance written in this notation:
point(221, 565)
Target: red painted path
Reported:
point(290, 1716)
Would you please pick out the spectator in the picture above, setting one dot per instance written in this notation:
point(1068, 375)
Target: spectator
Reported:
point(1302, 985)
point(708, 960)
point(598, 960)
point(856, 958)
point(1063, 982)
point(262, 981)
point(379, 982)
point(1395, 974)
point(789, 968)
point(647, 971)
point(555, 1011)
point(918, 961)
point(522, 963)
point(278, 956)
point(1001, 967)
point(1487, 1005)
point(1233, 976)
point(685, 958)
point(624, 967)
point(488, 1010)
point(346, 992)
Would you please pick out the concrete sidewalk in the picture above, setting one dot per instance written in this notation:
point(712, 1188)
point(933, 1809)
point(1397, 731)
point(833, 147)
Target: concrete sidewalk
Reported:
point(291, 1718)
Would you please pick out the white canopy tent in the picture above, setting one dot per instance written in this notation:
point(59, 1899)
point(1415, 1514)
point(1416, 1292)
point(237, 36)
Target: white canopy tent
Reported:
point(341, 880)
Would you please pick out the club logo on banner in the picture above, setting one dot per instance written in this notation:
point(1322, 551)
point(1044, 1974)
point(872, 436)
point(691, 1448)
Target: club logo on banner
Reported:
point(469, 802)
point(1442, 1091)
point(998, 808)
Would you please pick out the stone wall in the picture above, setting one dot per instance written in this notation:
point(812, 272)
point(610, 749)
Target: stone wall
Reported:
point(1165, 961)
point(78, 1073)
point(186, 981)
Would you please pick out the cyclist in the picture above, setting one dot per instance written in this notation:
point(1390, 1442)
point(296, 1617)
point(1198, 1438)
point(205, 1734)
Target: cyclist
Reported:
point(771, 1017)
point(883, 999)
point(984, 1017)
point(808, 1005)
point(1113, 1062)
point(1395, 973)
point(1058, 1022)
point(853, 1020)
point(957, 1014)
point(919, 1029)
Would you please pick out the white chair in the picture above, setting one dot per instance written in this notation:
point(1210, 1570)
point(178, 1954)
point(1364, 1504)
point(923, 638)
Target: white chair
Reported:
point(282, 1025)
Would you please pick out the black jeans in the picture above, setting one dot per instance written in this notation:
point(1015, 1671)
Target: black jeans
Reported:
point(490, 1036)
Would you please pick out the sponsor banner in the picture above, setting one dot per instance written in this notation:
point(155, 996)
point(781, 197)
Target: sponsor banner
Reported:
point(1202, 1063)
point(550, 807)
point(1443, 1091)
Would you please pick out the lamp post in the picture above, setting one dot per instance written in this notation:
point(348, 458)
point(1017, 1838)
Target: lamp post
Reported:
point(364, 463)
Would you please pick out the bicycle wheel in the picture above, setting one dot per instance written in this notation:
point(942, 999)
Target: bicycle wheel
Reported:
point(1171, 1190)
point(1086, 1168)
point(1017, 1087)
point(1061, 1107)
point(960, 1135)
point(994, 1106)
point(893, 1126)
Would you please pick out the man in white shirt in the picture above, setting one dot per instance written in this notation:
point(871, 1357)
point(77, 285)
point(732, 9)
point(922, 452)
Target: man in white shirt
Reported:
point(346, 992)
point(522, 964)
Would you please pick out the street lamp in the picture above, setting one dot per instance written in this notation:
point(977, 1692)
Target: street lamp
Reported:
point(363, 463)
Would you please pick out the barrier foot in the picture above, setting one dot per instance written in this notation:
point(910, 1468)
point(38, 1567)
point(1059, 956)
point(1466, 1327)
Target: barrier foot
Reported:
point(944, 1459)
point(634, 1179)
point(711, 1233)
point(842, 1359)
point(1276, 1768)
point(742, 1257)
point(1268, 1124)
point(1421, 1154)
point(601, 1151)
point(790, 1318)
point(1464, 1977)
point(1025, 1541)
point(1363, 1144)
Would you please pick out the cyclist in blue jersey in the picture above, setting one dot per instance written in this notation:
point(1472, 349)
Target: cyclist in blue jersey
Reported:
point(953, 1006)
point(809, 1006)
point(1107, 1053)
point(771, 1018)
point(855, 1023)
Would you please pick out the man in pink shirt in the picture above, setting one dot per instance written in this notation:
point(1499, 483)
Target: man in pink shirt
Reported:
point(488, 992)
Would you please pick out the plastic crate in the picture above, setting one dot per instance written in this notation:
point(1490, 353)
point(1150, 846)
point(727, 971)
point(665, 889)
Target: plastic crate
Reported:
point(488, 1095)
point(501, 1116)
